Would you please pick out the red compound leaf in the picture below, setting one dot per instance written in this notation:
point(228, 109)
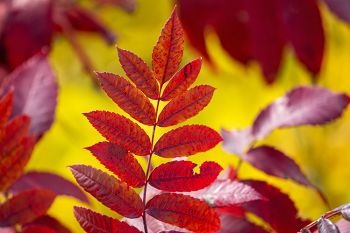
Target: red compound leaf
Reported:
point(49, 181)
point(139, 73)
point(186, 105)
point(178, 176)
point(121, 131)
point(113, 193)
point(25, 207)
point(183, 211)
point(182, 80)
point(6, 108)
point(186, 140)
point(120, 162)
point(37, 229)
point(167, 53)
point(93, 222)
point(129, 98)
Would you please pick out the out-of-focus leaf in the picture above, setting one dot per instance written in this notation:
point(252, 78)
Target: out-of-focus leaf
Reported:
point(5, 108)
point(51, 222)
point(121, 131)
point(186, 105)
point(35, 92)
point(37, 229)
point(127, 5)
point(167, 53)
point(178, 176)
point(301, 106)
point(183, 211)
point(139, 73)
point(237, 141)
point(120, 162)
point(327, 226)
point(186, 141)
point(49, 181)
point(153, 225)
point(93, 222)
point(128, 98)
point(232, 224)
point(113, 193)
point(341, 8)
point(25, 207)
point(182, 80)
point(345, 212)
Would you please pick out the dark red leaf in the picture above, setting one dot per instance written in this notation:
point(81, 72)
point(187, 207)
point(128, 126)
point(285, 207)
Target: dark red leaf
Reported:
point(186, 140)
point(171, 231)
point(19, 37)
point(182, 80)
point(51, 222)
point(278, 210)
point(167, 53)
point(6, 108)
point(237, 141)
point(25, 207)
point(35, 92)
point(137, 70)
point(186, 105)
point(93, 222)
point(46, 180)
point(113, 193)
point(129, 98)
point(232, 224)
point(178, 176)
point(227, 193)
point(37, 229)
point(341, 8)
point(120, 162)
point(121, 131)
point(300, 106)
point(183, 211)
point(303, 26)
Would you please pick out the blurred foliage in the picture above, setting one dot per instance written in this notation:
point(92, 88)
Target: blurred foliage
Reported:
point(323, 153)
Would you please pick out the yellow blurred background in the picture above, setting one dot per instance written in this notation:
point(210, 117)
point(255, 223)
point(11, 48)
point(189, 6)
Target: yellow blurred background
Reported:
point(322, 152)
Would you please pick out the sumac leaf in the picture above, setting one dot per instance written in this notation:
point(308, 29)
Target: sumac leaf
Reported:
point(341, 8)
point(186, 140)
point(327, 226)
point(345, 212)
point(237, 141)
point(37, 229)
point(186, 105)
point(138, 71)
point(35, 92)
point(183, 211)
point(25, 207)
point(301, 106)
point(153, 225)
point(51, 222)
point(182, 80)
point(113, 193)
point(120, 162)
point(178, 176)
point(93, 222)
point(49, 181)
point(121, 131)
point(232, 224)
point(128, 97)
point(6, 108)
point(167, 53)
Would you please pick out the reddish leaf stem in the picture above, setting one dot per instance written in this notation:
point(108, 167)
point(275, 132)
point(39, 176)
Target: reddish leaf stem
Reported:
point(149, 162)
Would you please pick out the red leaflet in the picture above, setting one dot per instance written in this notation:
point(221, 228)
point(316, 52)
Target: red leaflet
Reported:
point(113, 193)
point(167, 53)
point(300, 106)
point(276, 163)
point(93, 222)
point(37, 229)
point(121, 131)
point(120, 162)
point(186, 105)
point(186, 140)
point(306, 36)
point(137, 70)
point(232, 224)
point(129, 98)
point(178, 176)
point(183, 211)
point(25, 207)
point(153, 225)
point(340, 8)
point(35, 92)
point(182, 80)
point(5, 108)
point(50, 222)
point(48, 181)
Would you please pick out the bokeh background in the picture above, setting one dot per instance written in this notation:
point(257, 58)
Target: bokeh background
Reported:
point(322, 152)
